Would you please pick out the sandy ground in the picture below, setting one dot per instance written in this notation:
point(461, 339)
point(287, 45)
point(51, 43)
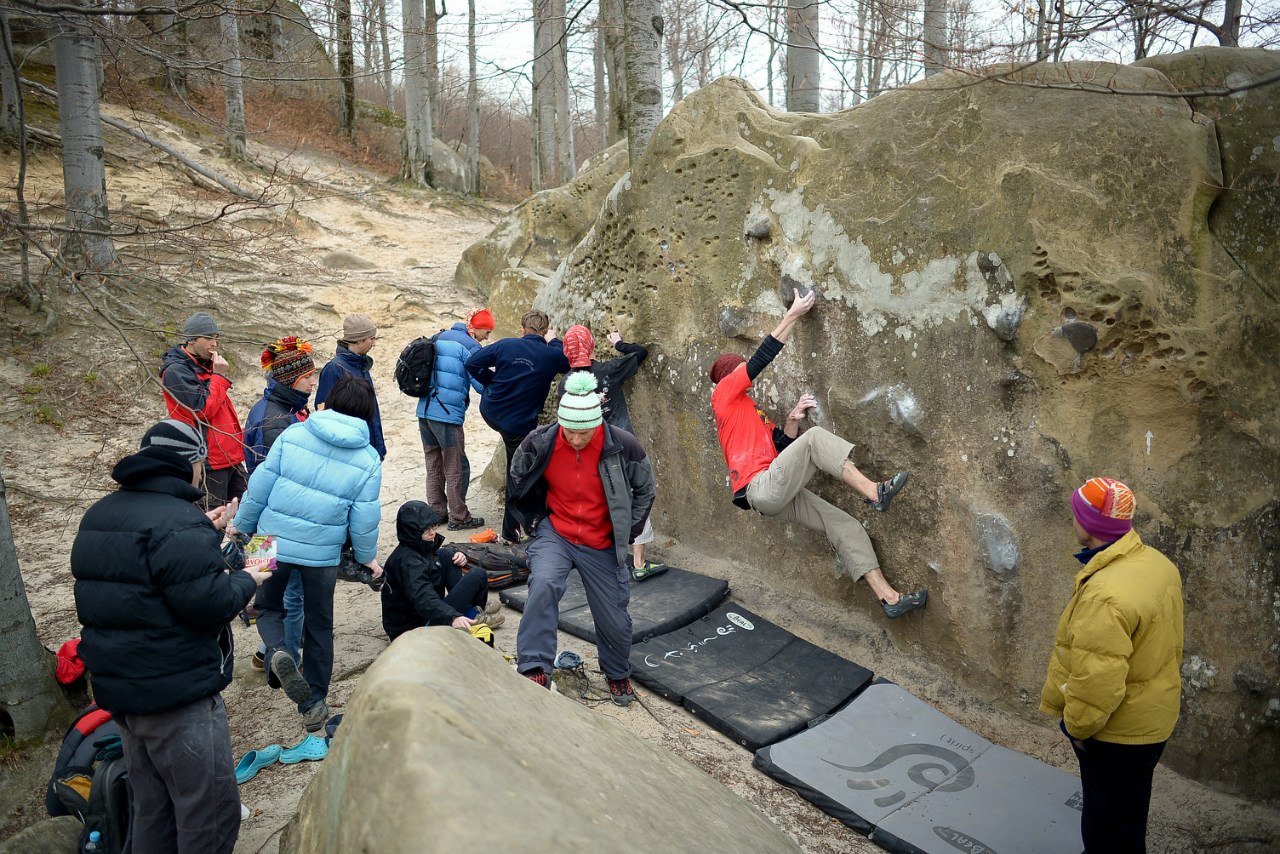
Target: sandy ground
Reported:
point(392, 254)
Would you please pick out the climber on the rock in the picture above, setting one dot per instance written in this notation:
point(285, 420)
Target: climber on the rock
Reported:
point(769, 466)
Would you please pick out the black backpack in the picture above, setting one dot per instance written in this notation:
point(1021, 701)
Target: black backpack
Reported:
point(416, 365)
point(90, 781)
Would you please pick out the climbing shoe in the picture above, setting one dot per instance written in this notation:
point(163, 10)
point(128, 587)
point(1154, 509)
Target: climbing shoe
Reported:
point(647, 570)
point(886, 490)
point(620, 691)
point(906, 602)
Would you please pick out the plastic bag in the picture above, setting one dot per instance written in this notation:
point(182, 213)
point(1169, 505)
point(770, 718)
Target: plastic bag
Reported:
point(260, 554)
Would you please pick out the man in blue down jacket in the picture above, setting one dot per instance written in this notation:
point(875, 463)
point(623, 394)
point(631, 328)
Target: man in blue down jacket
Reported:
point(154, 597)
point(440, 418)
point(516, 374)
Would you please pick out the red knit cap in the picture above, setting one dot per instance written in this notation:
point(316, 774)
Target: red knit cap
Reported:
point(579, 344)
point(724, 366)
point(481, 318)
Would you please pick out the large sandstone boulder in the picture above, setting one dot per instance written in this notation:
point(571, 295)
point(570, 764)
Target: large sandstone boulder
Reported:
point(1025, 281)
point(524, 250)
point(444, 743)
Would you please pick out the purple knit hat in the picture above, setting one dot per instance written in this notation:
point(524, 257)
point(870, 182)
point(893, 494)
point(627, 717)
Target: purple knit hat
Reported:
point(1104, 508)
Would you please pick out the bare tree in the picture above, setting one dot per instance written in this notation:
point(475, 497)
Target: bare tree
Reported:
point(233, 85)
point(803, 82)
point(346, 67)
point(10, 94)
point(601, 91)
point(643, 28)
point(933, 36)
point(419, 165)
point(615, 65)
point(560, 84)
point(88, 243)
point(432, 42)
point(473, 105)
point(29, 695)
point(544, 107)
point(388, 84)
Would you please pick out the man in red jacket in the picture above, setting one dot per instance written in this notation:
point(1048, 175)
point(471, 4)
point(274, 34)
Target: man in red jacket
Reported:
point(197, 392)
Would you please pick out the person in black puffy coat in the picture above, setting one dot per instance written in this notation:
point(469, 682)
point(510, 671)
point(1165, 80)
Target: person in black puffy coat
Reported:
point(155, 597)
point(425, 584)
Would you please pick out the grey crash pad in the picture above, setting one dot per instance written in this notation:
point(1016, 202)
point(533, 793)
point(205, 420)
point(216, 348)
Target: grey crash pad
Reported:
point(891, 765)
point(659, 605)
point(750, 679)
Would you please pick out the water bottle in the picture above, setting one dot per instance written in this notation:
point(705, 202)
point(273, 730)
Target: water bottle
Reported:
point(93, 843)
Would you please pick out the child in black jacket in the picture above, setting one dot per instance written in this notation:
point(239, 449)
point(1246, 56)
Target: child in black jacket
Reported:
point(425, 584)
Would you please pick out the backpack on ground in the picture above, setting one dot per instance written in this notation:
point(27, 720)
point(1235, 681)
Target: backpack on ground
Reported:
point(91, 782)
point(506, 566)
point(416, 365)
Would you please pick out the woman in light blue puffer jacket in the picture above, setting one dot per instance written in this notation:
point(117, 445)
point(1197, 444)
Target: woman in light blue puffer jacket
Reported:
point(317, 488)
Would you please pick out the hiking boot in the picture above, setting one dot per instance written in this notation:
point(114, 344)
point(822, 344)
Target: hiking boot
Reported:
point(315, 717)
point(467, 523)
point(259, 661)
point(886, 490)
point(647, 570)
point(906, 602)
point(538, 677)
point(490, 620)
point(621, 691)
point(290, 678)
point(491, 608)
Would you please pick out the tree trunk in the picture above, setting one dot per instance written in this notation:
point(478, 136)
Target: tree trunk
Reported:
point(10, 93)
point(432, 43)
point(473, 105)
point(1229, 32)
point(29, 695)
point(773, 50)
point(643, 30)
point(615, 66)
point(675, 35)
point(934, 36)
point(1042, 30)
point(803, 92)
point(418, 162)
point(388, 84)
point(346, 67)
point(83, 170)
point(544, 97)
point(233, 90)
point(560, 77)
point(601, 93)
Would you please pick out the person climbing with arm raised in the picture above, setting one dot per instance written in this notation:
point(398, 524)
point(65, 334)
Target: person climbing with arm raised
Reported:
point(770, 466)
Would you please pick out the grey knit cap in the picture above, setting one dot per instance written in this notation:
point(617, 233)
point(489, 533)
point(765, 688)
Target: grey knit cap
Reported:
point(176, 437)
point(200, 325)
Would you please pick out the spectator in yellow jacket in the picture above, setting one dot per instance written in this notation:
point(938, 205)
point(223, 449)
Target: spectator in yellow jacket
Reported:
point(1115, 675)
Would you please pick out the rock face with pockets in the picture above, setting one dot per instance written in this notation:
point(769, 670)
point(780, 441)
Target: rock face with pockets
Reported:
point(1024, 281)
point(402, 773)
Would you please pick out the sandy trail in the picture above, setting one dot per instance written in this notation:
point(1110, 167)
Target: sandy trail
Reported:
point(393, 253)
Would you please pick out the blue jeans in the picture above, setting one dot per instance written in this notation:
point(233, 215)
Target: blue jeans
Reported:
point(293, 617)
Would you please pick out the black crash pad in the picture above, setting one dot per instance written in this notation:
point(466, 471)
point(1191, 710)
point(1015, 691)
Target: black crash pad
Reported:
point(750, 679)
point(891, 765)
point(659, 604)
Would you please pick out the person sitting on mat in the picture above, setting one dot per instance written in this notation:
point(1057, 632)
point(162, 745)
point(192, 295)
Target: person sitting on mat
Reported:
point(769, 466)
point(425, 584)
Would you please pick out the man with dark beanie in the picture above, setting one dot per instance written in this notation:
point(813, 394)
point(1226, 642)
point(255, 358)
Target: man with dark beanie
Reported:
point(516, 374)
point(585, 489)
point(769, 466)
point(154, 596)
point(198, 392)
point(1114, 679)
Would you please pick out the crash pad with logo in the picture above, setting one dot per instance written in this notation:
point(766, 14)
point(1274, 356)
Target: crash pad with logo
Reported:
point(752, 680)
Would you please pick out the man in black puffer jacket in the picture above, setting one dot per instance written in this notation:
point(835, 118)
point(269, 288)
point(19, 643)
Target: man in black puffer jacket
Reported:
point(425, 584)
point(154, 596)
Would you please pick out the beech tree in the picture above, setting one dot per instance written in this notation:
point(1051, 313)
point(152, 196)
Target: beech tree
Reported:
point(643, 27)
point(473, 105)
point(87, 244)
point(29, 695)
point(419, 165)
point(233, 85)
point(10, 94)
point(346, 68)
point(933, 36)
point(803, 89)
point(615, 65)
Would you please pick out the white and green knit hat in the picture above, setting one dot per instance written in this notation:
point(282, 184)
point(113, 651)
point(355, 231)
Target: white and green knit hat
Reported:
point(580, 406)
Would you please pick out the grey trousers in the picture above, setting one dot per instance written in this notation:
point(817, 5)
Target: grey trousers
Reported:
point(779, 491)
point(183, 777)
point(608, 588)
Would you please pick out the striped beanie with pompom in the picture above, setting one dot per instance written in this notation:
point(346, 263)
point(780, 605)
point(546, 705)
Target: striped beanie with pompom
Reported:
point(1104, 508)
point(580, 406)
point(288, 360)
